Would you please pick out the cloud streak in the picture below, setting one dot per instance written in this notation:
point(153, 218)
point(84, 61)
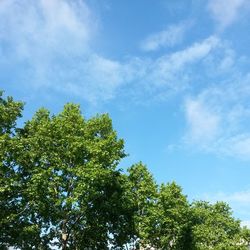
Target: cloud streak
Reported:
point(172, 73)
point(217, 119)
point(169, 37)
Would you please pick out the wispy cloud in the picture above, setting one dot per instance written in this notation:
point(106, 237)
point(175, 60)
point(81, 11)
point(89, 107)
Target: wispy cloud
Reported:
point(226, 12)
point(99, 78)
point(49, 45)
point(51, 26)
point(169, 37)
point(177, 60)
point(204, 124)
point(168, 74)
point(217, 118)
point(173, 70)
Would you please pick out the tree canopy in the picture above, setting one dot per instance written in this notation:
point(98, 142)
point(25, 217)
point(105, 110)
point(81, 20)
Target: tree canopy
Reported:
point(61, 186)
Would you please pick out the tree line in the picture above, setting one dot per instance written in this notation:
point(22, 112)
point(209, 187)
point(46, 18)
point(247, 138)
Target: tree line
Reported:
point(61, 186)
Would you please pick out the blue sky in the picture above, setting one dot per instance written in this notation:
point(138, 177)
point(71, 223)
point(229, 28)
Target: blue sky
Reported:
point(173, 75)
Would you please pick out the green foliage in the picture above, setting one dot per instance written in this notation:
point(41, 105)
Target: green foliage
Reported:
point(169, 220)
point(60, 186)
point(144, 192)
point(245, 236)
point(10, 208)
point(214, 227)
point(10, 110)
point(64, 177)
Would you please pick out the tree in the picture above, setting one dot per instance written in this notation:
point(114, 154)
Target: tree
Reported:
point(10, 225)
point(169, 220)
point(214, 227)
point(245, 236)
point(68, 182)
point(144, 192)
point(60, 186)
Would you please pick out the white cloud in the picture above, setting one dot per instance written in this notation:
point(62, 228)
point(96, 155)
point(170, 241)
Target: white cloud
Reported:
point(192, 54)
point(48, 43)
point(172, 73)
point(169, 37)
point(166, 75)
point(225, 12)
point(238, 145)
point(217, 119)
point(50, 26)
point(100, 78)
point(203, 123)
